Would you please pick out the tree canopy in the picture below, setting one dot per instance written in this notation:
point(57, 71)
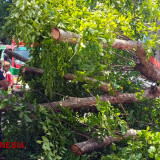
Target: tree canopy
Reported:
point(4, 12)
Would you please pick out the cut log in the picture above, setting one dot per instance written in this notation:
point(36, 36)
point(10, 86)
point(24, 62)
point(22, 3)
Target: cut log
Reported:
point(31, 70)
point(94, 144)
point(15, 55)
point(76, 103)
point(89, 102)
point(70, 37)
point(65, 36)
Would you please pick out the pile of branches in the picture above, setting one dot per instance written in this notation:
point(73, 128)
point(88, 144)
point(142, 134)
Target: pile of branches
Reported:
point(143, 65)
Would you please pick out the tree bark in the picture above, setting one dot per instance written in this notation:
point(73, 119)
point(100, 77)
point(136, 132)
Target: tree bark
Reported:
point(70, 37)
point(149, 71)
point(123, 44)
point(65, 36)
point(94, 144)
point(76, 103)
point(89, 102)
point(145, 67)
point(15, 55)
point(31, 70)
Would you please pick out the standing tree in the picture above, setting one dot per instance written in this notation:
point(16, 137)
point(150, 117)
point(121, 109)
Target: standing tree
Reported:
point(92, 55)
point(4, 12)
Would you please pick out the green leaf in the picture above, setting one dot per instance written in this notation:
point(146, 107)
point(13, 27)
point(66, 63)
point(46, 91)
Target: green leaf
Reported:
point(27, 118)
point(39, 142)
point(46, 146)
point(21, 115)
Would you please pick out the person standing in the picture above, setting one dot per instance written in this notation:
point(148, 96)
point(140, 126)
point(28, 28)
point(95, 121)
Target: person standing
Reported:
point(3, 82)
point(7, 75)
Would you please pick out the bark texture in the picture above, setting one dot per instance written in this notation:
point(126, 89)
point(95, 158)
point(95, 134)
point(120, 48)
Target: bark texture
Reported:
point(31, 70)
point(65, 36)
point(70, 37)
point(94, 144)
point(145, 67)
point(76, 103)
point(80, 103)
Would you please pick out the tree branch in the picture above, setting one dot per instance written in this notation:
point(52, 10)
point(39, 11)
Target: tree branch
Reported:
point(94, 144)
point(104, 86)
point(89, 102)
point(15, 55)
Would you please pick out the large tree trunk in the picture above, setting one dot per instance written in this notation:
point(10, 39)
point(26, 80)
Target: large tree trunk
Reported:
point(76, 103)
point(149, 71)
point(15, 55)
point(94, 144)
point(70, 37)
point(145, 67)
point(80, 103)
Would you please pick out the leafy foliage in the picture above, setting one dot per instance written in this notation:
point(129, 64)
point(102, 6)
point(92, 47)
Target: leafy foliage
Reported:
point(4, 12)
point(97, 22)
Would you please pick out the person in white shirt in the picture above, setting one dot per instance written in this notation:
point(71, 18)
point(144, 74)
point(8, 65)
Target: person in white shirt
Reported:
point(7, 75)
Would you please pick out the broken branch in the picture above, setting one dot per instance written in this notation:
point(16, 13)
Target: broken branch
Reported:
point(94, 144)
point(15, 55)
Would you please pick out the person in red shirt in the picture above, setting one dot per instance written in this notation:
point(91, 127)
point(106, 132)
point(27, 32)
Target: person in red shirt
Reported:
point(7, 75)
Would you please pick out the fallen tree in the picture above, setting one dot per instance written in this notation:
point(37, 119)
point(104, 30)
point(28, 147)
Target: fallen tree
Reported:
point(76, 103)
point(144, 67)
point(80, 103)
point(65, 36)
